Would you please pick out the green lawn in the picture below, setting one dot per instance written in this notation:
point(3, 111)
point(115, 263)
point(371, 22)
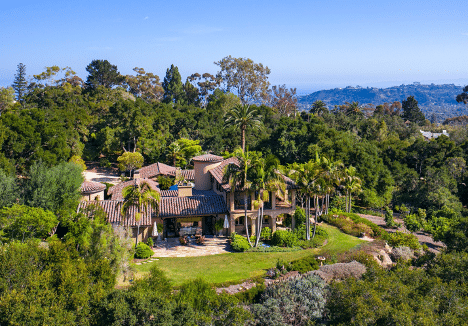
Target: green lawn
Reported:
point(233, 267)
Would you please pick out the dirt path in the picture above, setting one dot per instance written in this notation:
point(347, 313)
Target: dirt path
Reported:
point(424, 238)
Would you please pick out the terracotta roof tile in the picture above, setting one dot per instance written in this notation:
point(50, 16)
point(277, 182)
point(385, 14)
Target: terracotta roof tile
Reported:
point(113, 212)
point(90, 187)
point(192, 206)
point(207, 158)
point(188, 175)
point(116, 191)
point(204, 203)
point(156, 169)
point(218, 173)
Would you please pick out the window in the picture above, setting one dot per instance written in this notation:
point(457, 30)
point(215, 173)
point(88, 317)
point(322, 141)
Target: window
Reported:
point(239, 201)
point(240, 220)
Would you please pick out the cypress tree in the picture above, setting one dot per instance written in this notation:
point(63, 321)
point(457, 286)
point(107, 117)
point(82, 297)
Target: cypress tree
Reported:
point(173, 87)
point(412, 112)
point(20, 84)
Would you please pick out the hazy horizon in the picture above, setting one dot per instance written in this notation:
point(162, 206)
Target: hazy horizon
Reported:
point(309, 45)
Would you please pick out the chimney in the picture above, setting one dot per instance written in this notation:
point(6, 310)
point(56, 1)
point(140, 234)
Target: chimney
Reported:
point(184, 189)
point(136, 175)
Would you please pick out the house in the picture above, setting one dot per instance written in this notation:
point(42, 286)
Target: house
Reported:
point(194, 207)
point(433, 135)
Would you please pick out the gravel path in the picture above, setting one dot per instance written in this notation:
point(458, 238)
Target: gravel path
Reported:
point(424, 238)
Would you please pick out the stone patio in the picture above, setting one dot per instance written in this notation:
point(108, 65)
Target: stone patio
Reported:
point(171, 247)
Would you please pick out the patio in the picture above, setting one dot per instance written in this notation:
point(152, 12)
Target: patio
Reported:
point(171, 247)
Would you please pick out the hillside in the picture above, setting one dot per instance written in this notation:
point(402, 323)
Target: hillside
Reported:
point(432, 99)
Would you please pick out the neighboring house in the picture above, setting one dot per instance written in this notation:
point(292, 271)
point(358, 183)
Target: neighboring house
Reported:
point(194, 208)
point(433, 135)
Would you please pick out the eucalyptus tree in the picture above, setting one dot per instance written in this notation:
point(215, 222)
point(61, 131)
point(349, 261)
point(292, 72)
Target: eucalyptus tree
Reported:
point(143, 197)
point(267, 178)
point(239, 177)
point(248, 78)
point(242, 116)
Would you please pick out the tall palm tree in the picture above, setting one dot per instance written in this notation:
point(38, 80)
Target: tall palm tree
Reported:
point(332, 177)
point(242, 116)
point(307, 177)
point(267, 178)
point(318, 107)
point(142, 196)
point(239, 177)
point(352, 183)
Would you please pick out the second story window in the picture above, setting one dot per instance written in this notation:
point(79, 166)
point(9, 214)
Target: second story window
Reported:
point(239, 201)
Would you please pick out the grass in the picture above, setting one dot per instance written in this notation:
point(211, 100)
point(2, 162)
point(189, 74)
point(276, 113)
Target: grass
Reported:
point(236, 267)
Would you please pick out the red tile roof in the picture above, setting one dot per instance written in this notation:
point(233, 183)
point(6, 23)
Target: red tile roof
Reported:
point(90, 187)
point(116, 191)
point(218, 173)
point(188, 175)
point(113, 211)
point(208, 203)
point(192, 206)
point(156, 169)
point(207, 158)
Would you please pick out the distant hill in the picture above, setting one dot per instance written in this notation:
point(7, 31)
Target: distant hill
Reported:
point(432, 99)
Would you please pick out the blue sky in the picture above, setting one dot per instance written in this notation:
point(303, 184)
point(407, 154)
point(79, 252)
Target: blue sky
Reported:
point(306, 44)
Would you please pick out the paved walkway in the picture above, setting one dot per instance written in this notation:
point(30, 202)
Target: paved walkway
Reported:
point(171, 247)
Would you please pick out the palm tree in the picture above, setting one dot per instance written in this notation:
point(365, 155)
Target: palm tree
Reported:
point(318, 107)
point(239, 177)
point(142, 196)
point(267, 179)
point(307, 177)
point(332, 178)
point(242, 116)
point(351, 183)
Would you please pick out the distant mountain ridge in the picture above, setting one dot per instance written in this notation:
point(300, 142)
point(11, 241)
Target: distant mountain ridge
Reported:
point(437, 100)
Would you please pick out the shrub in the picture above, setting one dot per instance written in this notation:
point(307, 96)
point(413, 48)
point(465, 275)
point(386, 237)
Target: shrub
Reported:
point(238, 242)
point(266, 233)
point(320, 236)
point(399, 239)
point(282, 238)
point(402, 253)
point(349, 223)
point(389, 218)
point(183, 240)
point(219, 225)
point(160, 228)
point(294, 302)
point(274, 249)
point(304, 265)
point(412, 223)
point(338, 202)
point(299, 216)
point(165, 182)
point(143, 251)
point(150, 242)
